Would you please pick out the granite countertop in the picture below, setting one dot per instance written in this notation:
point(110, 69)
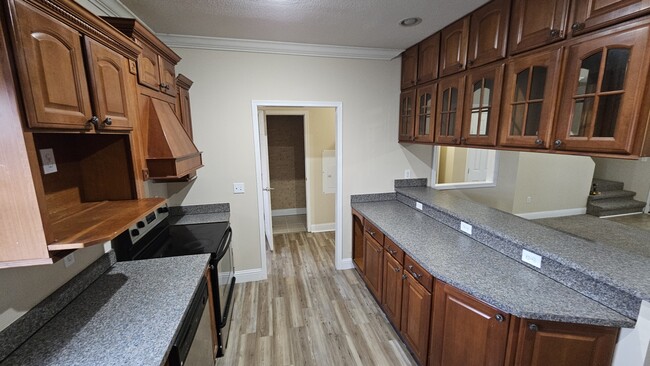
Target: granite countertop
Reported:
point(199, 214)
point(459, 260)
point(128, 316)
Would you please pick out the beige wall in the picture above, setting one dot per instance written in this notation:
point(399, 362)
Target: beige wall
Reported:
point(322, 136)
point(453, 162)
point(286, 142)
point(225, 84)
point(634, 173)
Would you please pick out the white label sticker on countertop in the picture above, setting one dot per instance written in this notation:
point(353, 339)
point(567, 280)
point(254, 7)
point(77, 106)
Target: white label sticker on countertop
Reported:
point(531, 258)
point(466, 228)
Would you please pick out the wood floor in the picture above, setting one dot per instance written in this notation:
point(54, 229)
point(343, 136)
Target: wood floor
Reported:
point(308, 313)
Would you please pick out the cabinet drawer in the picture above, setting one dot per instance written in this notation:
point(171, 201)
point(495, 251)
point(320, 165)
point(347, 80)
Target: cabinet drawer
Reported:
point(394, 250)
point(420, 275)
point(374, 232)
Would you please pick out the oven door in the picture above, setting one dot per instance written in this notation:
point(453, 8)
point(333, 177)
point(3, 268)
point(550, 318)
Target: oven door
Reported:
point(225, 271)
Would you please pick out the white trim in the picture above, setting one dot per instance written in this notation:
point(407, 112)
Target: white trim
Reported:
point(647, 204)
point(554, 213)
point(284, 48)
point(346, 263)
point(250, 275)
point(115, 8)
point(257, 104)
point(308, 196)
point(289, 212)
point(621, 215)
point(319, 228)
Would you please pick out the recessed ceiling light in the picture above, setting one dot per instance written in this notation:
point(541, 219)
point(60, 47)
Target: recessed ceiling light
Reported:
point(409, 22)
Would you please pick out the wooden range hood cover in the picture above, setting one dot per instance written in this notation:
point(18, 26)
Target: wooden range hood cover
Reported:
point(170, 151)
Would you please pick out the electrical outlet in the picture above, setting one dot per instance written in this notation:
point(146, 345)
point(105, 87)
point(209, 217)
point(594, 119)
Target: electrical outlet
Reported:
point(418, 205)
point(466, 228)
point(47, 159)
point(407, 174)
point(68, 260)
point(529, 199)
point(238, 188)
point(531, 258)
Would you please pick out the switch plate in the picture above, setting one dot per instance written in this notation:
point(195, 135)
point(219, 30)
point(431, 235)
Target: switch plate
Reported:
point(68, 260)
point(466, 228)
point(418, 205)
point(529, 199)
point(47, 159)
point(238, 188)
point(531, 258)
point(407, 174)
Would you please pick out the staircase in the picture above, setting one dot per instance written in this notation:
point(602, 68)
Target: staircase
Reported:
point(612, 199)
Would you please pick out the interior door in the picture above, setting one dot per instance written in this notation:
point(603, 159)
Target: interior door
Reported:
point(477, 165)
point(266, 179)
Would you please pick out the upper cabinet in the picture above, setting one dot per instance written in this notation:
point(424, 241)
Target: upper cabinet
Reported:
point(425, 112)
point(428, 53)
point(183, 112)
point(602, 91)
point(407, 116)
point(53, 75)
point(537, 23)
point(453, 47)
point(449, 109)
point(488, 33)
point(409, 67)
point(588, 15)
point(482, 102)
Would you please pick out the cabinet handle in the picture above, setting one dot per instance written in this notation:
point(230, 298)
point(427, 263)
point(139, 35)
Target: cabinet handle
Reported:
point(403, 277)
point(396, 269)
point(391, 251)
point(372, 233)
point(555, 33)
point(539, 142)
point(463, 140)
point(557, 143)
point(578, 26)
point(415, 274)
point(533, 327)
point(470, 62)
point(499, 318)
point(377, 251)
point(461, 66)
point(454, 140)
point(94, 121)
point(108, 121)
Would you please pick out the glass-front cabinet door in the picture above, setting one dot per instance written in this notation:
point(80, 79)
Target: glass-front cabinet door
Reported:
point(530, 95)
point(425, 112)
point(482, 99)
point(407, 116)
point(449, 110)
point(602, 92)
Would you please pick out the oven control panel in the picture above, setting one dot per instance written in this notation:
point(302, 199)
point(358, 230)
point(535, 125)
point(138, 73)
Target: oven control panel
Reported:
point(142, 227)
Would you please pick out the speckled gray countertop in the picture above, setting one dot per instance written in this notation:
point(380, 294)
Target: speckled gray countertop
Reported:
point(608, 264)
point(483, 272)
point(129, 316)
point(199, 214)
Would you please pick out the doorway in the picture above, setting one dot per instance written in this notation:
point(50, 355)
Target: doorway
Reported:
point(330, 170)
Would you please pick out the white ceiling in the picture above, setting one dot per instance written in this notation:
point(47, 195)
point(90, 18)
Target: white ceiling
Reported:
point(356, 23)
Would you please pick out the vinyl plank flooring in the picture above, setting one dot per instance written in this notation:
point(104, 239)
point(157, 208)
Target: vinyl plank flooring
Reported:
point(308, 313)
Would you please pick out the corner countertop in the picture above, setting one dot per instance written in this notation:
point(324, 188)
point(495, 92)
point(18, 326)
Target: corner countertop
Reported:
point(477, 269)
point(199, 214)
point(128, 316)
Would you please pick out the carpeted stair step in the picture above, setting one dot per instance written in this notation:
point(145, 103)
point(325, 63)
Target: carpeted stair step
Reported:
point(603, 185)
point(611, 194)
point(617, 206)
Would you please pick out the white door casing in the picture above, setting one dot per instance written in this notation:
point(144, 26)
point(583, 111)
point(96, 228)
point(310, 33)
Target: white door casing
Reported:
point(266, 179)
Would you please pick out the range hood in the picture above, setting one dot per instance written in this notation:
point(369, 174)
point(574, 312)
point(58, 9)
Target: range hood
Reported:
point(171, 154)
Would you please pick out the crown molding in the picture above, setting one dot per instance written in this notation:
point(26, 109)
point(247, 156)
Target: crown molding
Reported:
point(113, 8)
point(285, 48)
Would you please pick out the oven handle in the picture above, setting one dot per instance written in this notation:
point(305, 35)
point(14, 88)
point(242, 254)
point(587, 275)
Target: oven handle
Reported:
point(224, 244)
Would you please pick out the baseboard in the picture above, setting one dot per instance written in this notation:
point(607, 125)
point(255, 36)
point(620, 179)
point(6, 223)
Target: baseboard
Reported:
point(319, 228)
point(250, 275)
point(554, 213)
point(289, 212)
point(346, 263)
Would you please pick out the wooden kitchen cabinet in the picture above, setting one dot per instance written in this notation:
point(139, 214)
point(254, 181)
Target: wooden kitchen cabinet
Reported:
point(357, 241)
point(488, 33)
point(466, 331)
point(428, 57)
point(602, 91)
point(409, 67)
point(183, 111)
point(391, 299)
point(425, 112)
point(449, 109)
point(530, 99)
point(552, 343)
point(416, 315)
point(537, 23)
point(482, 104)
point(589, 15)
point(454, 40)
point(407, 116)
point(373, 264)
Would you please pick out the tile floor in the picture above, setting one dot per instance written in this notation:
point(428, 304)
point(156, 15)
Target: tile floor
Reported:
point(289, 224)
point(639, 221)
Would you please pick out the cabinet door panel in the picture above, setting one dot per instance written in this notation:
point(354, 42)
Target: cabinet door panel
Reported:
point(373, 264)
point(530, 96)
point(425, 113)
point(409, 67)
point(466, 331)
point(148, 69)
point(167, 77)
point(183, 110)
point(482, 104)
point(109, 78)
point(407, 116)
point(392, 294)
point(602, 92)
point(428, 55)
point(588, 15)
point(51, 71)
point(537, 23)
point(488, 33)
point(551, 343)
point(453, 47)
point(416, 316)
point(449, 110)
point(357, 242)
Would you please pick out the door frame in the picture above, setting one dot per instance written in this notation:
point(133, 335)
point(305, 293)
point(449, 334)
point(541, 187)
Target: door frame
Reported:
point(338, 106)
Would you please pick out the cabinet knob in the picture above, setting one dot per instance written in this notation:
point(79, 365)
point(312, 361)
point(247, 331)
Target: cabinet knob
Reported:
point(377, 251)
point(499, 318)
point(578, 26)
point(470, 62)
point(372, 233)
point(454, 140)
point(463, 140)
point(391, 251)
point(461, 66)
point(554, 33)
point(94, 121)
point(396, 269)
point(403, 276)
point(108, 121)
point(539, 142)
point(557, 143)
point(533, 327)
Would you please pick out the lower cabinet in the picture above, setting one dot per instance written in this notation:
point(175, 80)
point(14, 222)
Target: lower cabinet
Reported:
point(357, 240)
point(373, 264)
point(466, 331)
point(391, 300)
point(416, 316)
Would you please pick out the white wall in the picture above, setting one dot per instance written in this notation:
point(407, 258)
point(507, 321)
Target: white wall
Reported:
point(634, 173)
point(321, 131)
point(225, 83)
